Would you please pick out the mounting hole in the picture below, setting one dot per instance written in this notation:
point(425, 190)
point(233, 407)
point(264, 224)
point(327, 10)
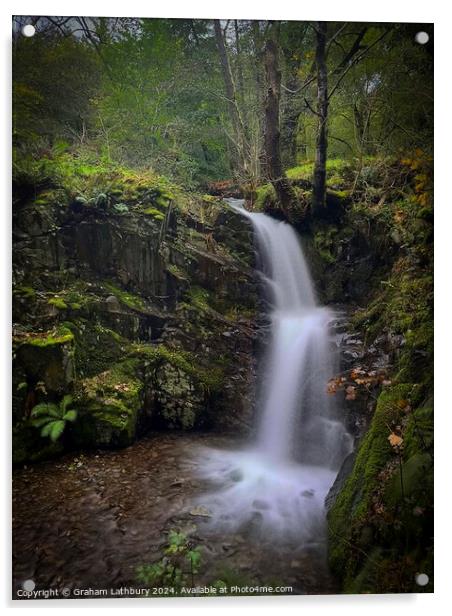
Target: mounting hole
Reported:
point(422, 579)
point(28, 30)
point(28, 585)
point(422, 38)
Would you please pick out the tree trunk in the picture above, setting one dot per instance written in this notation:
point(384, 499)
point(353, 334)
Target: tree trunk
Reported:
point(258, 134)
point(282, 186)
point(239, 141)
point(319, 181)
point(241, 88)
point(289, 132)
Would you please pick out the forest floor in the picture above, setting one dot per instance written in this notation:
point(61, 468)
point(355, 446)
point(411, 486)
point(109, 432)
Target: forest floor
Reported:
point(89, 520)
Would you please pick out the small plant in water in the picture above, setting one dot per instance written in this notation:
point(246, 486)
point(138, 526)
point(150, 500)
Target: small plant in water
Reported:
point(52, 417)
point(177, 568)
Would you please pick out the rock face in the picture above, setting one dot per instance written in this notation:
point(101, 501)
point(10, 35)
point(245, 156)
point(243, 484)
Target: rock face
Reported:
point(380, 514)
point(144, 311)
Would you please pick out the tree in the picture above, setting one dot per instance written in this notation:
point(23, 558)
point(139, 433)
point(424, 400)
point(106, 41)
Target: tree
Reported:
point(319, 180)
point(275, 173)
point(239, 136)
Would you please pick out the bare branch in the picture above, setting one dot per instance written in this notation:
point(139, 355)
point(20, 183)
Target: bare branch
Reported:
point(357, 59)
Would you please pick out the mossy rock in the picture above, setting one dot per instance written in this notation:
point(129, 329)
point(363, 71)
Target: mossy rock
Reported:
point(353, 503)
point(58, 302)
point(49, 358)
point(155, 213)
point(179, 400)
point(125, 297)
point(409, 479)
point(96, 347)
point(182, 386)
point(109, 405)
point(210, 377)
point(29, 446)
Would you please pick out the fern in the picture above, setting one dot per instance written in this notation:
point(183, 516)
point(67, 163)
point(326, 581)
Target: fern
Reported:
point(52, 418)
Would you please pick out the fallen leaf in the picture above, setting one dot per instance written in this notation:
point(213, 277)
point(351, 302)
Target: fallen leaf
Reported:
point(201, 511)
point(395, 440)
point(350, 393)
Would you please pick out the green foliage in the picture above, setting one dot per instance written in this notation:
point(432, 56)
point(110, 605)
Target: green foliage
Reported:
point(177, 568)
point(336, 170)
point(61, 335)
point(381, 522)
point(149, 93)
point(58, 302)
point(52, 418)
point(265, 195)
point(211, 377)
point(128, 299)
point(152, 211)
point(199, 297)
point(120, 208)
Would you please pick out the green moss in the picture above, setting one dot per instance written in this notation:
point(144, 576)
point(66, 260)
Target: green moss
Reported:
point(210, 377)
point(152, 211)
point(61, 335)
point(353, 503)
point(76, 297)
point(24, 292)
point(380, 526)
point(418, 433)
point(163, 200)
point(58, 302)
point(125, 297)
point(50, 197)
point(340, 194)
point(324, 242)
point(27, 448)
point(209, 198)
point(199, 297)
point(47, 357)
point(334, 168)
point(108, 405)
point(265, 197)
point(177, 272)
point(96, 346)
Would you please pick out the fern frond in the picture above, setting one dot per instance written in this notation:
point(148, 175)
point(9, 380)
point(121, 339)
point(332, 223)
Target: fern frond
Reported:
point(65, 402)
point(45, 408)
point(37, 422)
point(56, 430)
point(46, 429)
point(70, 416)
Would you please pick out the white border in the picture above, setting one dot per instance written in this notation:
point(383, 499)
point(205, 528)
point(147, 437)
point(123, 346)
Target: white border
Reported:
point(418, 11)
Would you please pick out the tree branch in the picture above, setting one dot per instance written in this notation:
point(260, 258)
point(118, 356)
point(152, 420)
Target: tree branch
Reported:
point(354, 62)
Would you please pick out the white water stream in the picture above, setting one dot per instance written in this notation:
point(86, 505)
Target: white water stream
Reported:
point(278, 485)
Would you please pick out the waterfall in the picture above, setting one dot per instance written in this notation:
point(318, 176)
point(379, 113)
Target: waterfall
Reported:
point(278, 485)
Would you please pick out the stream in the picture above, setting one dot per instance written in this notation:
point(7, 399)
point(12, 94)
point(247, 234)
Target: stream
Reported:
point(88, 520)
point(255, 509)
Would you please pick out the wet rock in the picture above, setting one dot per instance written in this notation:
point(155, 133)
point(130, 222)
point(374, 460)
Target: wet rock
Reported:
point(48, 357)
point(340, 480)
point(236, 475)
point(109, 407)
point(260, 504)
point(113, 304)
point(308, 493)
point(125, 278)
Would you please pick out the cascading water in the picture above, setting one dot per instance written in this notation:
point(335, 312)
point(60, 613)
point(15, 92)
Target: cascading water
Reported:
point(277, 486)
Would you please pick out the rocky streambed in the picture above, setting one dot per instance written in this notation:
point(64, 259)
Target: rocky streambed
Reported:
point(87, 521)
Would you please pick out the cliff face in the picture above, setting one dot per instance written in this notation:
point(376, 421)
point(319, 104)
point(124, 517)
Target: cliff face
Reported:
point(379, 262)
point(140, 305)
